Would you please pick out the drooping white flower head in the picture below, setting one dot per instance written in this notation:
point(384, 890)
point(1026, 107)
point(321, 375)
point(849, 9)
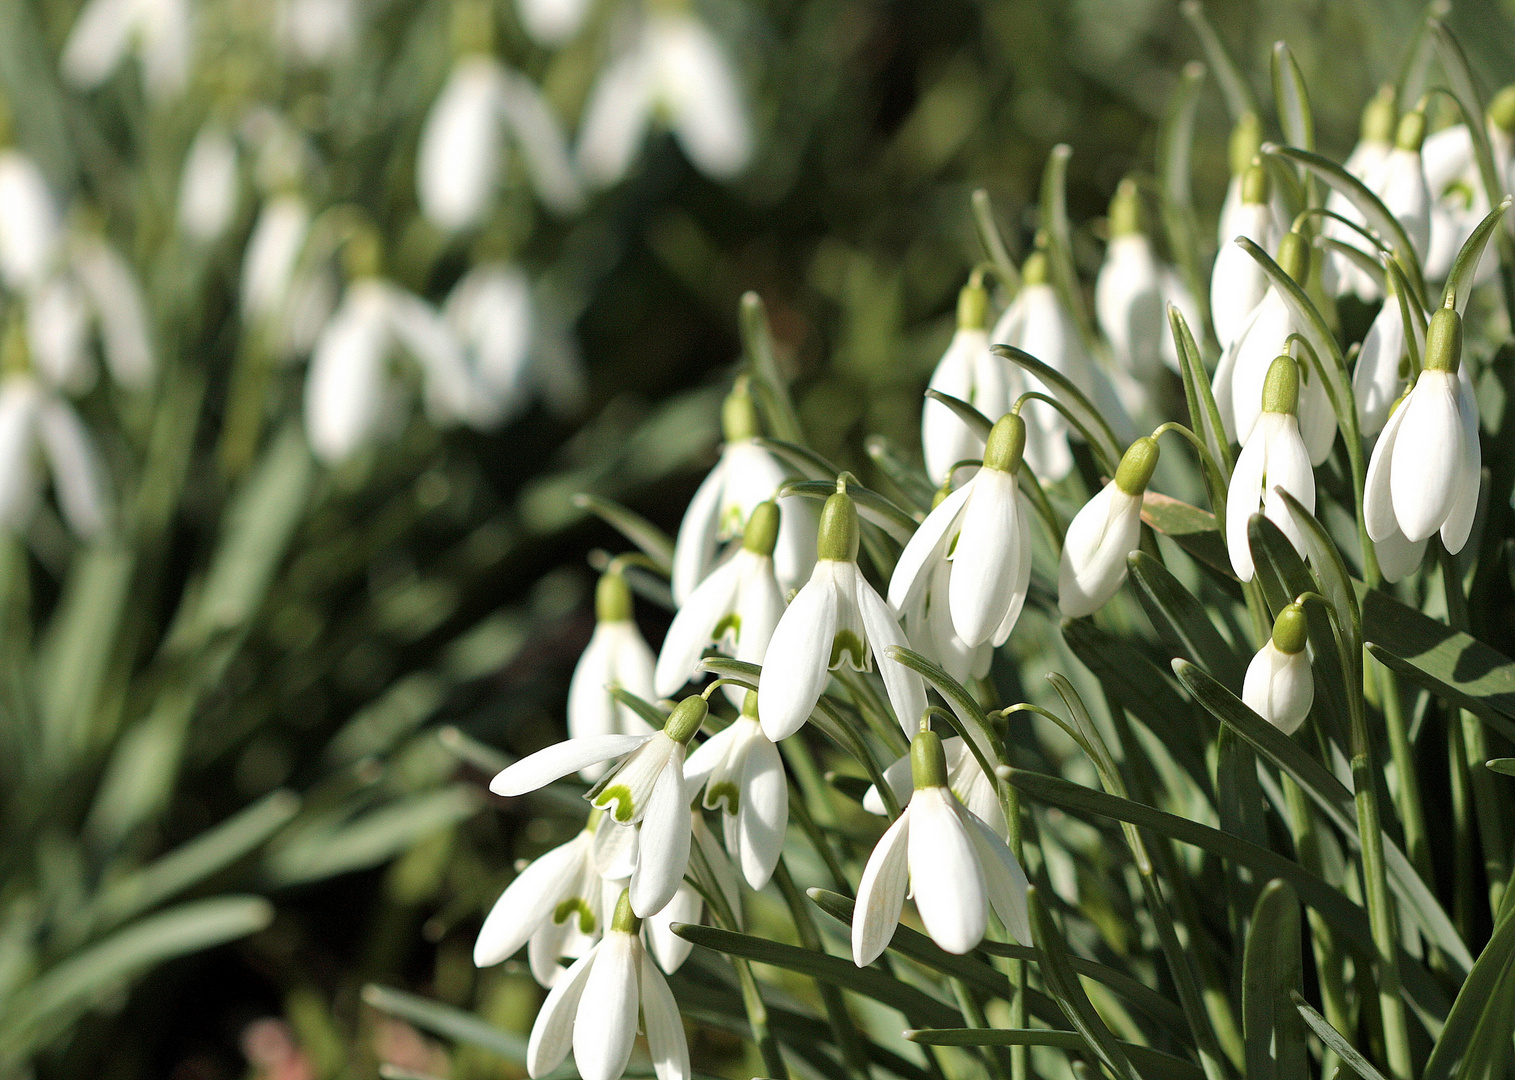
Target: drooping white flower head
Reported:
point(594, 1007)
point(736, 609)
point(1238, 283)
point(1423, 476)
point(745, 476)
point(1037, 323)
point(674, 70)
point(616, 656)
point(1273, 457)
point(1132, 293)
point(38, 427)
point(1245, 363)
point(927, 616)
point(1402, 183)
point(1279, 686)
point(969, 372)
point(208, 185)
point(490, 312)
point(349, 387)
point(836, 619)
point(159, 32)
point(743, 777)
point(1246, 141)
point(645, 788)
point(552, 22)
point(688, 905)
point(1103, 535)
point(1341, 276)
point(462, 153)
point(956, 867)
point(29, 227)
point(316, 33)
point(93, 289)
point(965, 778)
point(983, 529)
point(1381, 363)
point(554, 907)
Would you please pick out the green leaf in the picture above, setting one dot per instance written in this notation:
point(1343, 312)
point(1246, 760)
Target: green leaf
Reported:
point(444, 1020)
point(917, 1006)
point(801, 459)
point(871, 506)
point(193, 862)
point(1153, 1062)
point(1292, 101)
point(1233, 85)
point(649, 539)
point(42, 1010)
point(1505, 765)
point(1181, 619)
point(1191, 528)
point(977, 422)
point(757, 348)
point(971, 723)
point(1332, 797)
point(1204, 415)
point(1270, 972)
point(645, 709)
point(1465, 268)
point(1477, 994)
point(1175, 146)
point(912, 481)
point(1335, 1040)
point(1063, 984)
point(325, 847)
point(1344, 916)
point(1057, 233)
point(1089, 419)
point(994, 242)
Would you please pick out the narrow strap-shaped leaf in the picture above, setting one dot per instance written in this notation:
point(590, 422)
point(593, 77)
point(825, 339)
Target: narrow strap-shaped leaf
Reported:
point(801, 459)
point(971, 723)
point(911, 480)
point(1204, 414)
point(643, 708)
point(1182, 619)
point(1193, 529)
point(1344, 915)
point(757, 346)
point(870, 982)
point(1465, 267)
point(1335, 1040)
point(977, 422)
point(1291, 99)
point(1503, 765)
point(1332, 797)
point(1355, 255)
point(1057, 232)
point(1062, 982)
point(1270, 972)
point(444, 1020)
point(1477, 994)
point(1233, 85)
point(1071, 396)
point(993, 242)
point(1153, 1062)
point(649, 539)
point(1175, 145)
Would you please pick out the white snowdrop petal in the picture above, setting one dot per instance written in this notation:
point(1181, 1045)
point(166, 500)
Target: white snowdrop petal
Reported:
point(927, 544)
point(1022, 578)
point(458, 158)
point(1459, 520)
point(555, 762)
point(794, 555)
point(763, 815)
point(696, 84)
point(906, 690)
point(552, 22)
point(76, 471)
point(19, 402)
point(547, 944)
point(666, 1042)
point(120, 310)
point(694, 547)
point(273, 250)
point(663, 841)
point(208, 184)
point(945, 438)
point(693, 627)
point(1243, 499)
point(615, 119)
point(490, 311)
point(540, 137)
point(1423, 480)
point(450, 389)
point(1398, 557)
point(591, 709)
point(881, 893)
point(1004, 880)
point(707, 758)
point(98, 41)
point(944, 874)
point(796, 669)
point(527, 902)
point(605, 1028)
point(984, 562)
point(344, 386)
point(1378, 501)
point(552, 1033)
point(663, 944)
point(897, 776)
point(57, 332)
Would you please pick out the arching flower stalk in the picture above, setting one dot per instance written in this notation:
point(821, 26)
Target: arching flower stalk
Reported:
point(1273, 458)
point(836, 619)
point(1279, 686)
point(956, 867)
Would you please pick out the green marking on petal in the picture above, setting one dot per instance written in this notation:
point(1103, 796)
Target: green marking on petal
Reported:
point(723, 792)
point(733, 623)
point(564, 911)
point(846, 642)
point(619, 794)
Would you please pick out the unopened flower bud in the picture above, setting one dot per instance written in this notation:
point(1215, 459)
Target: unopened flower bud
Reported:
point(1290, 630)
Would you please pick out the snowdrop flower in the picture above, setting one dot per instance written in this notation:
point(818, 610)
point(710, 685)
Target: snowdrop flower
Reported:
point(1381, 363)
point(1279, 687)
point(928, 618)
point(676, 70)
point(461, 154)
point(490, 311)
point(1402, 182)
point(1246, 361)
point(29, 229)
point(745, 476)
point(593, 1008)
point(743, 777)
point(969, 372)
point(736, 608)
point(984, 530)
point(37, 425)
point(1459, 200)
point(94, 288)
point(1339, 274)
point(348, 388)
point(552, 22)
point(646, 787)
point(965, 778)
point(956, 866)
point(285, 304)
point(208, 185)
point(687, 906)
point(1273, 457)
point(1037, 323)
point(554, 907)
point(1424, 473)
point(1104, 533)
point(1246, 141)
point(1238, 283)
point(835, 619)
point(1132, 293)
point(158, 31)
point(616, 656)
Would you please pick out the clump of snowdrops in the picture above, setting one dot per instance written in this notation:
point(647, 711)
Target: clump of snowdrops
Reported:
point(1255, 820)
